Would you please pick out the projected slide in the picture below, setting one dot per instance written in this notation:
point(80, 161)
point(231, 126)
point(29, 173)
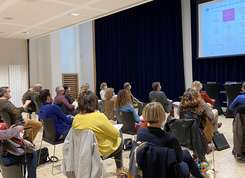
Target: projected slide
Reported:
point(222, 28)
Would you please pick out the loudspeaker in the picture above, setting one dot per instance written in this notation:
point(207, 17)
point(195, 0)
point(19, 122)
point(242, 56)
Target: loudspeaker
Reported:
point(220, 142)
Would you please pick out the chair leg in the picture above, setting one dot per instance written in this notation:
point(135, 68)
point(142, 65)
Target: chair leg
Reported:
point(39, 156)
point(53, 162)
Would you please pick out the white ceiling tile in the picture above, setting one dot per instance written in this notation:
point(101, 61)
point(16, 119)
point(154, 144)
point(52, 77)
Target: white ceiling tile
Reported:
point(31, 12)
point(6, 29)
point(67, 19)
point(31, 33)
point(113, 4)
point(43, 16)
point(77, 2)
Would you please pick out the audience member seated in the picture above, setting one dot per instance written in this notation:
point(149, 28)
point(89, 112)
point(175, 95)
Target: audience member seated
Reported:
point(52, 111)
point(84, 89)
point(103, 87)
point(109, 104)
point(14, 114)
point(159, 96)
point(136, 103)
point(68, 96)
point(192, 107)
point(239, 100)
point(61, 101)
point(124, 104)
point(33, 95)
point(154, 114)
point(197, 85)
point(8, 159)
point(207, 104)
point(110, 142)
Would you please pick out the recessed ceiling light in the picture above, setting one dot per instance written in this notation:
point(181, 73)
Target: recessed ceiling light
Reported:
point(75, 14)
point(8, 18)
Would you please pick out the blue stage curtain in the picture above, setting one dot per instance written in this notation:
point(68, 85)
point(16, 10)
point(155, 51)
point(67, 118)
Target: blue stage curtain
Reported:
point(142, 45)
point(214, 69)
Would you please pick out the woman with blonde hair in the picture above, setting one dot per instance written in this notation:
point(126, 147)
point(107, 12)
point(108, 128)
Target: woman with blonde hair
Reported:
point(207, 104)
point(197, 85)
point(154, 115)
point(124, 104)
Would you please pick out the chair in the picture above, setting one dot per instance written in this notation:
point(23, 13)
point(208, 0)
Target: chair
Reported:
point(213, 90)
point(82, 147)
point(109, 109)
point(127, 119)
point(232, 90)
point(189, 135)
point(49, 135)
point(13, 171)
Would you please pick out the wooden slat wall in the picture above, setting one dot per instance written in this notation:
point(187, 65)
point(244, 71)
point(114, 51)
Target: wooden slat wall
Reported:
point(71, 80)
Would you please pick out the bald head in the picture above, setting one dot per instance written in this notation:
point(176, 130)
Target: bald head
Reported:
point(60, 90)
point(37, 87)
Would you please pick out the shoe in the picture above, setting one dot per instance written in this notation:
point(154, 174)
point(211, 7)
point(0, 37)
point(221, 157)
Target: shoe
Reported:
point(219, 124)
point(240, 157)
point(122, 173)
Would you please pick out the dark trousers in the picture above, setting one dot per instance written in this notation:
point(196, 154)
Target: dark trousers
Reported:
point(118, 155)
point(189, 165)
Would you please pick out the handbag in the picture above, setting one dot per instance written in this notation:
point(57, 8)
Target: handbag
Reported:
point(43, 156)
point(220, 142)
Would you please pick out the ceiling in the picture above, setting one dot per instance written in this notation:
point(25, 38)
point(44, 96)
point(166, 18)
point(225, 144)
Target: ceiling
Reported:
point(26, 19)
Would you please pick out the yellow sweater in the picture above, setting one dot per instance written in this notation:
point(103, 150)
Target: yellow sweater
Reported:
point(107, 136)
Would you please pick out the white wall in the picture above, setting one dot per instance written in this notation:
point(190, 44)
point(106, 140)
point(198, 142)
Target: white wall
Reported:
point(186, 30)
point(69, 50)
point(13, 67)
point(87, 57)
point(40, 61)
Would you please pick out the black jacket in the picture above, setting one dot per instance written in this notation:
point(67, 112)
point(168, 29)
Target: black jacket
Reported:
point(156, 161)
point(189, 134)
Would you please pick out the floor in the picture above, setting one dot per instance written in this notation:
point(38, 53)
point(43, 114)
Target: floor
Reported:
point(225, 164)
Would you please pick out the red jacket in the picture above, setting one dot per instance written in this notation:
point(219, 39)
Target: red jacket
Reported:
point(206, 98)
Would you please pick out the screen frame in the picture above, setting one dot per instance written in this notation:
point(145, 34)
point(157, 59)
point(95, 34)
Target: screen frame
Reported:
point(198, 2)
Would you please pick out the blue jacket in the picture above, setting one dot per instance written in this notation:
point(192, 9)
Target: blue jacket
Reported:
point(130, 108)
point(239, 100)
point(62, 122)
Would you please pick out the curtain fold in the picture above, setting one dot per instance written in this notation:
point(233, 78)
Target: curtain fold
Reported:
point(142, 45)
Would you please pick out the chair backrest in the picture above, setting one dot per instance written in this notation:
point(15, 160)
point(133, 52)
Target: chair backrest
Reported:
point(232, 90)
point(127, 119)
point(49, 129)
point(212, 89)
point(109, 109)
point(181, 129)
point(189, 134)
